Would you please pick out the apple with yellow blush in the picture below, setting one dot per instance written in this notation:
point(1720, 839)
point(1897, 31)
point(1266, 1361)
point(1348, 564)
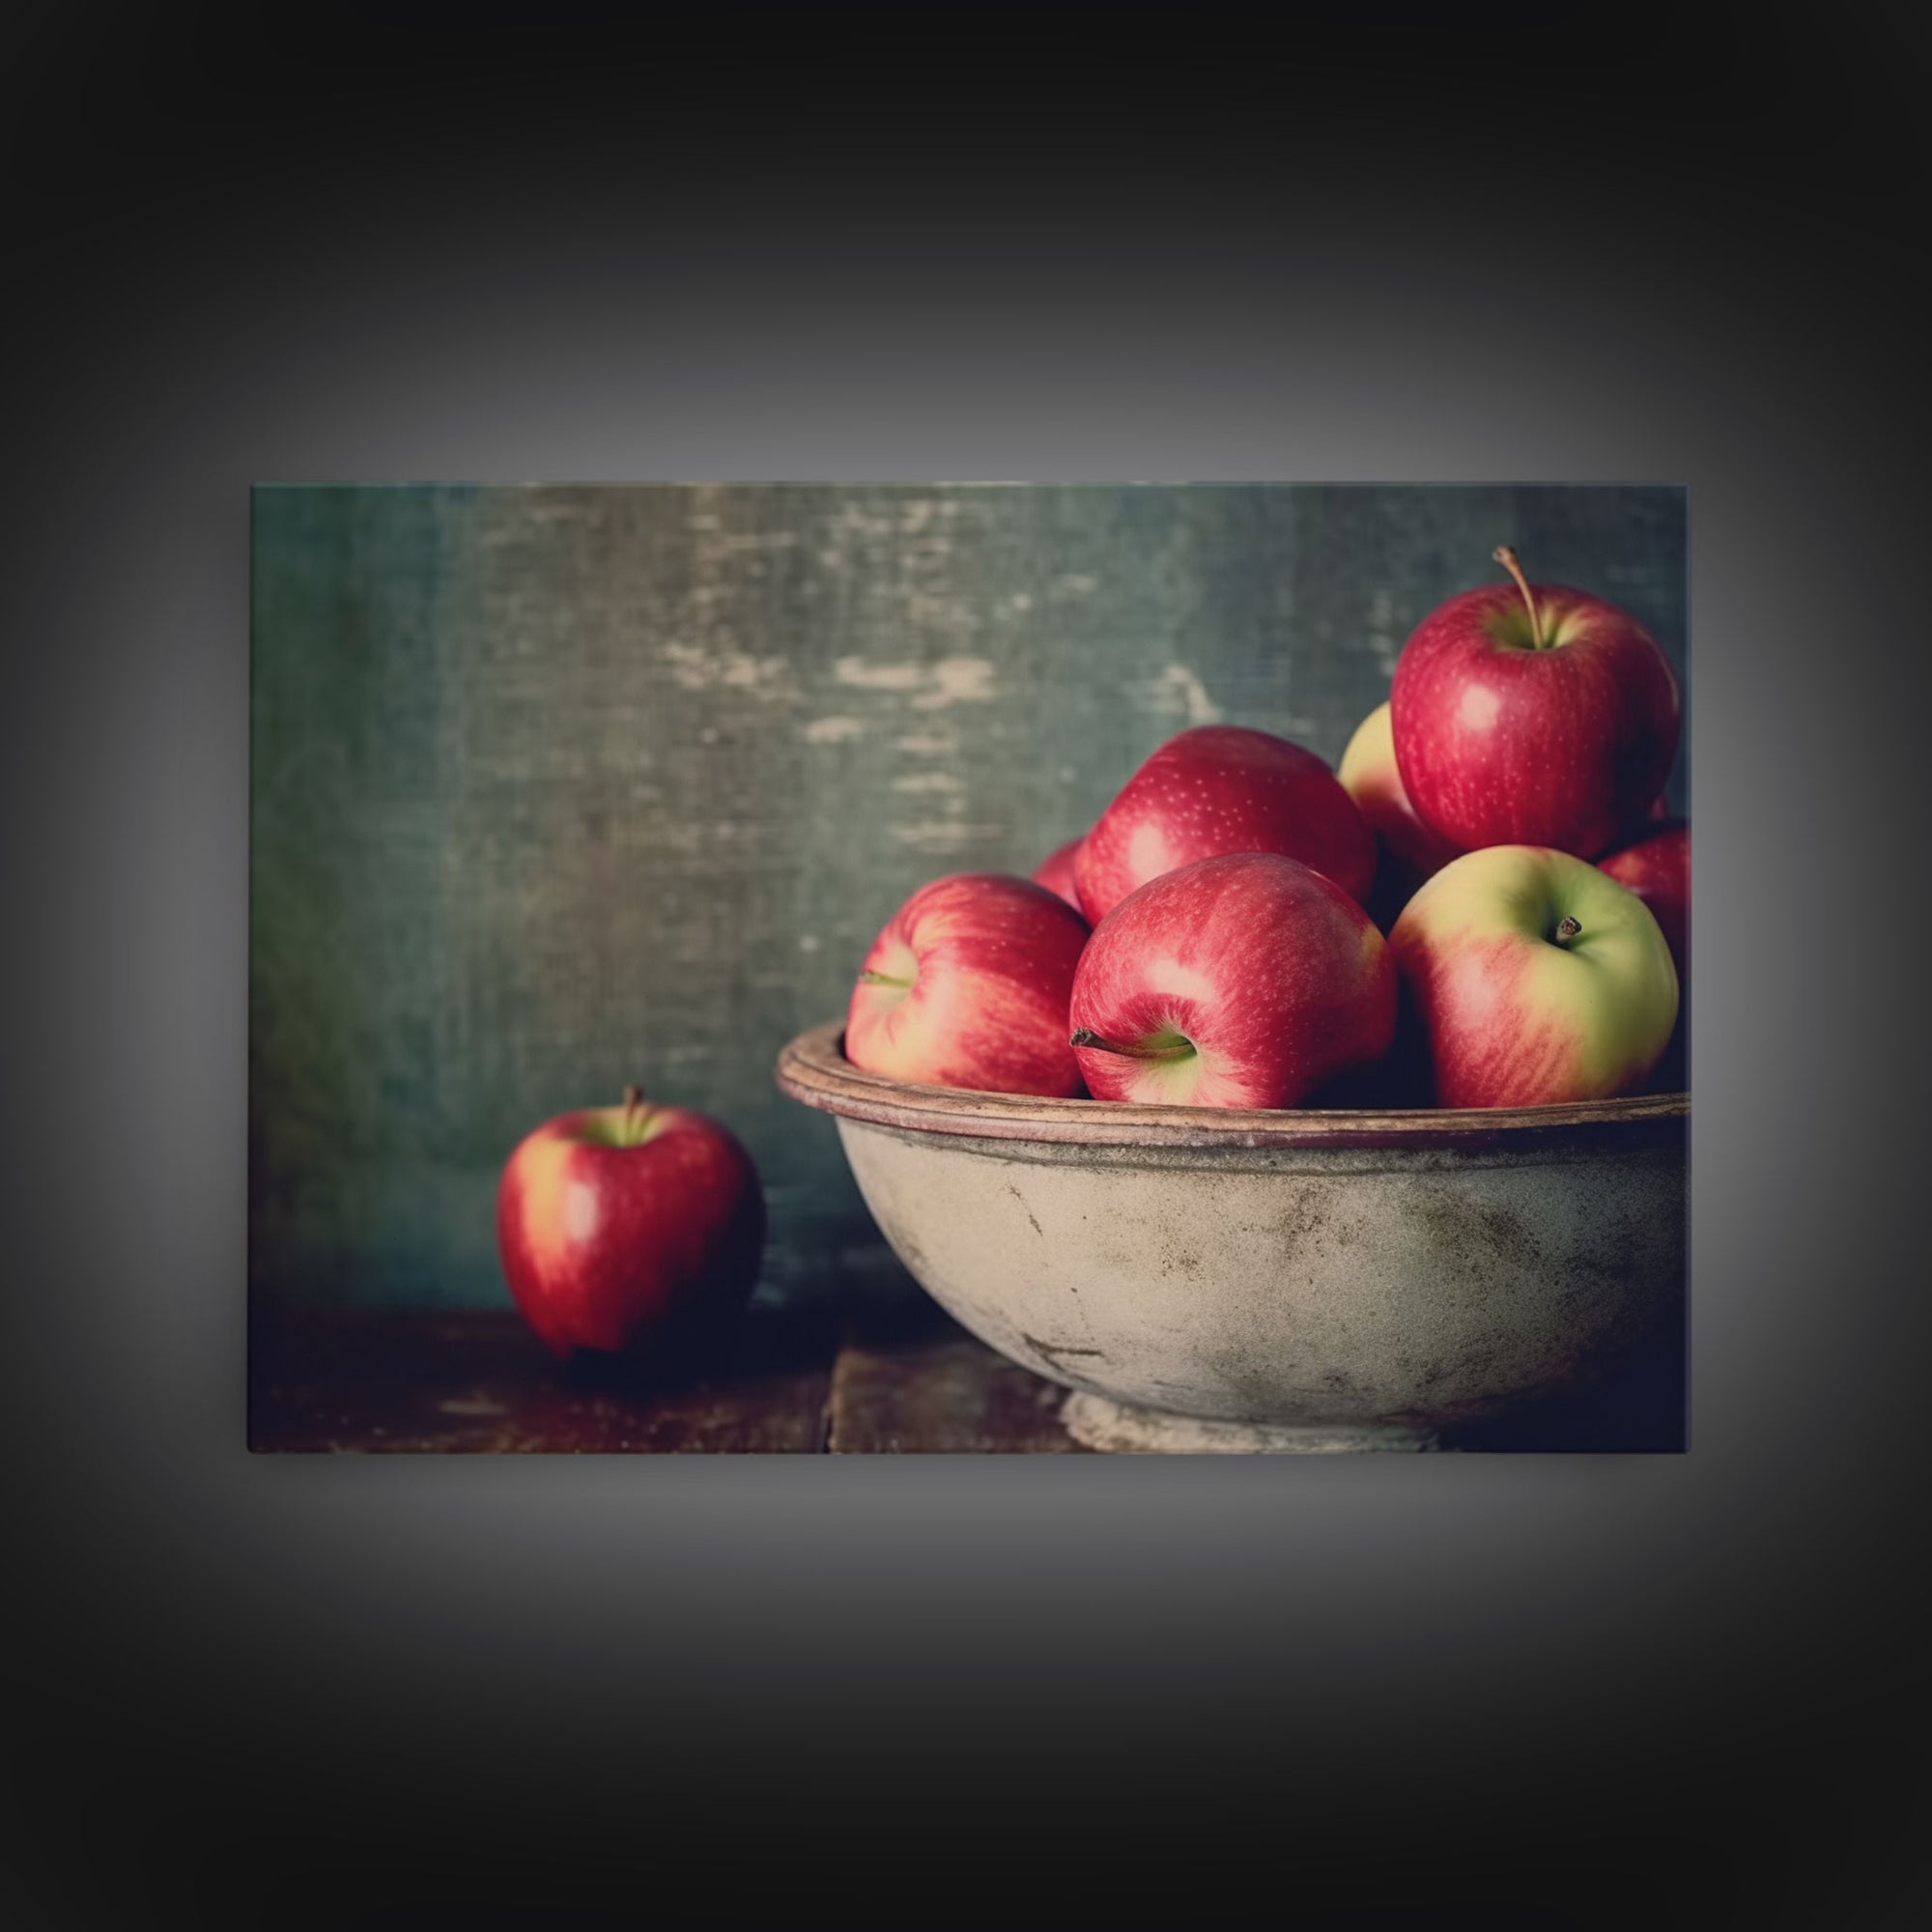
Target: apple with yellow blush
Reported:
point(1407, 850)
point(1535, 978)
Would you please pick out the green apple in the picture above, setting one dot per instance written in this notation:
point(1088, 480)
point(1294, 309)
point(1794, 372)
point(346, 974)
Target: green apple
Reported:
point(1535, 979)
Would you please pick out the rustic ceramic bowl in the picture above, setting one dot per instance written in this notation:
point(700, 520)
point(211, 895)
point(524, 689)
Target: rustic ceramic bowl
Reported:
point(1287, 1279)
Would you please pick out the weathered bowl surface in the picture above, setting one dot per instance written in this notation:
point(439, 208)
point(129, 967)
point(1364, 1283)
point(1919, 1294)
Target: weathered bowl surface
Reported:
point(1350, 1275)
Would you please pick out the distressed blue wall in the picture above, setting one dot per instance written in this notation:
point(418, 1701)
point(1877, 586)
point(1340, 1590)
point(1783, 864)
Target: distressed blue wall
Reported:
point(557, 788)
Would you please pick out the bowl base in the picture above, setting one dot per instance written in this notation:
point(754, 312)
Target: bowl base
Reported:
point(1119, 1428)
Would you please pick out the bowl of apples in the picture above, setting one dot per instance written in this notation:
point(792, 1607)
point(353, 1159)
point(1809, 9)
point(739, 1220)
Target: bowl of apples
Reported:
point(1290, 1111)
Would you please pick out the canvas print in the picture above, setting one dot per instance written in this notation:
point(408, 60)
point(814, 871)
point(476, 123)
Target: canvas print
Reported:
point(968, 968)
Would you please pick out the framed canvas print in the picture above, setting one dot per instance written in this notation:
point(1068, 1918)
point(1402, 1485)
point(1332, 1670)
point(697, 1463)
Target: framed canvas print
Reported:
point(969, 968)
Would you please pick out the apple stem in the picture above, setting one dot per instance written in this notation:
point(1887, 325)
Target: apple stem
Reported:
point(1567, 930)
point(636, 1114)
point(870, 979)
point(1086, 1037)
point(1506, 557)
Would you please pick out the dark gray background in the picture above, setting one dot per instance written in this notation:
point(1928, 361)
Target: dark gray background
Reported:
point(557, 788)
point(1683, 1690)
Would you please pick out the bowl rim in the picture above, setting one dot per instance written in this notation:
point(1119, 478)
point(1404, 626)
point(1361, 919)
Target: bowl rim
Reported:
point(814, 1071)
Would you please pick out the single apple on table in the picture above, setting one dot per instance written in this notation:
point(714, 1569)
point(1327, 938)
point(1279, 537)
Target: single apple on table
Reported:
point(1220, 789)
point(1532, 715)
point(1535, 978)
point(621, 1229)
point(1243, 981)
point(1056, 873)
point(967, 986)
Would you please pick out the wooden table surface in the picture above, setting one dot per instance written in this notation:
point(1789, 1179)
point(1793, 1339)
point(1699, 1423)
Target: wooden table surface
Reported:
point(888, 1374)
point(888, 1379)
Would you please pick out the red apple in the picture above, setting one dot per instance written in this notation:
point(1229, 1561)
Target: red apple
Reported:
point(1369, 774)
point(1536, 978)
point(967, 987)
point(1408, 851)
point(1223, 788)
point(619, 1227)
point(1657, 870)
point(1532, 715)
point(1056, 872)
point(1241, 980)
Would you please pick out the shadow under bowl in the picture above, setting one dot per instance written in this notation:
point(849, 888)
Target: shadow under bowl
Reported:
point(1278, 1279)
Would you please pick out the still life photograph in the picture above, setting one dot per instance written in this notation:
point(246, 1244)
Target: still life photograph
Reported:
point(969, 968)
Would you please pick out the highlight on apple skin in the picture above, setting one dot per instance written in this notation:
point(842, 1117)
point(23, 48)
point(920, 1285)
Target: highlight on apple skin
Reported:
point(967, 987)
point(1241, 980)
point(1221, 789)
point(1535, 979)
point(621, 1229)
point(1056, 873)
point(1532, 715)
